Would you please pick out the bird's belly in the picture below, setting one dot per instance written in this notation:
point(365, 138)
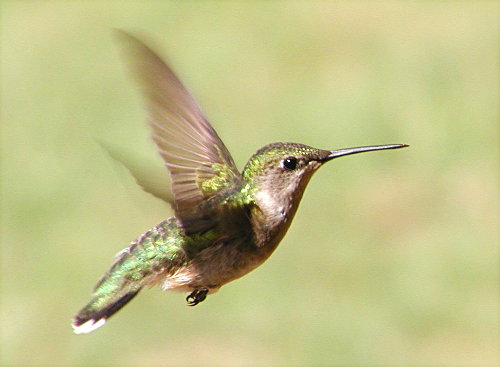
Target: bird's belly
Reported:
point(217, 265)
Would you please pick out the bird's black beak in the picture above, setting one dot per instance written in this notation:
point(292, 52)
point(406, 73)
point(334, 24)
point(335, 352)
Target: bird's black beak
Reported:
point(347, 151)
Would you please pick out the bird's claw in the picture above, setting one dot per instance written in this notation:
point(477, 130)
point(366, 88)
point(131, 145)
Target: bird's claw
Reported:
point(196, 296)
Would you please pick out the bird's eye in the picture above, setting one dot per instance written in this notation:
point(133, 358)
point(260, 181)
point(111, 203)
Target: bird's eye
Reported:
point(289, 163)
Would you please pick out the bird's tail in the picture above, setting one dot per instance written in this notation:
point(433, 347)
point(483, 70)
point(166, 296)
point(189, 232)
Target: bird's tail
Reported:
point(136, 266)
point(115, 289)
point(98, 310)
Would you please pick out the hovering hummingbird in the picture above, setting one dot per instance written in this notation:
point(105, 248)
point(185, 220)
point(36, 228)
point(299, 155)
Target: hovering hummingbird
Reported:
point(226, 223)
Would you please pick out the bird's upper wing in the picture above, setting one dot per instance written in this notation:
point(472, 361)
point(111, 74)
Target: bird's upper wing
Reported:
point(199, 164)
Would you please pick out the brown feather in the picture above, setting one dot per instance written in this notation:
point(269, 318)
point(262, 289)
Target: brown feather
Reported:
point(185, 139)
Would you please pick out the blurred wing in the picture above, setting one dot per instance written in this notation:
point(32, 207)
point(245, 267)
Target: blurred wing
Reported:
point(151, 178)
point(199, 163)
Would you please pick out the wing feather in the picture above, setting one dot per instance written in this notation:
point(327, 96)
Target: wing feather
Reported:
point(198, 161)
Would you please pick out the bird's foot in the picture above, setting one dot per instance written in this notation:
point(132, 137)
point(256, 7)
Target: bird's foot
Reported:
point(197, 296)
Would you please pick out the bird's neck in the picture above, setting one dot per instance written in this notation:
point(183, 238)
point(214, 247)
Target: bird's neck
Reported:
point(273, 212)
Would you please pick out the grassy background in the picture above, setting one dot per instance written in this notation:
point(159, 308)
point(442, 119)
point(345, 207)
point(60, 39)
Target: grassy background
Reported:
point(392, 258)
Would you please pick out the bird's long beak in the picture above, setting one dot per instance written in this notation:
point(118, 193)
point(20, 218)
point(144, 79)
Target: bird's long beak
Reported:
point(348, 151)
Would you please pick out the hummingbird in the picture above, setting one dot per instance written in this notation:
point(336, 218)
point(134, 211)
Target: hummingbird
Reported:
point(226, 222)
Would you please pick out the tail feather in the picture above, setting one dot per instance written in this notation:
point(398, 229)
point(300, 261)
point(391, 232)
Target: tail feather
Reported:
point(135, 267)
point(94, 314)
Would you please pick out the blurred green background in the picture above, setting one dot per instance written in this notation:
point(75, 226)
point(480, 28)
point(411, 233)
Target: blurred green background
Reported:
point(392, 258)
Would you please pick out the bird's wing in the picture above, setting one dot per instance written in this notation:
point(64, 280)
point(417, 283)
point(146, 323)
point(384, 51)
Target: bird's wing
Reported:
point(199, 164)
point(150, 176)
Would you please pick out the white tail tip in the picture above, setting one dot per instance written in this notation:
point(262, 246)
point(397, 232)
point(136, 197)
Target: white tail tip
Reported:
point(88, 326)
